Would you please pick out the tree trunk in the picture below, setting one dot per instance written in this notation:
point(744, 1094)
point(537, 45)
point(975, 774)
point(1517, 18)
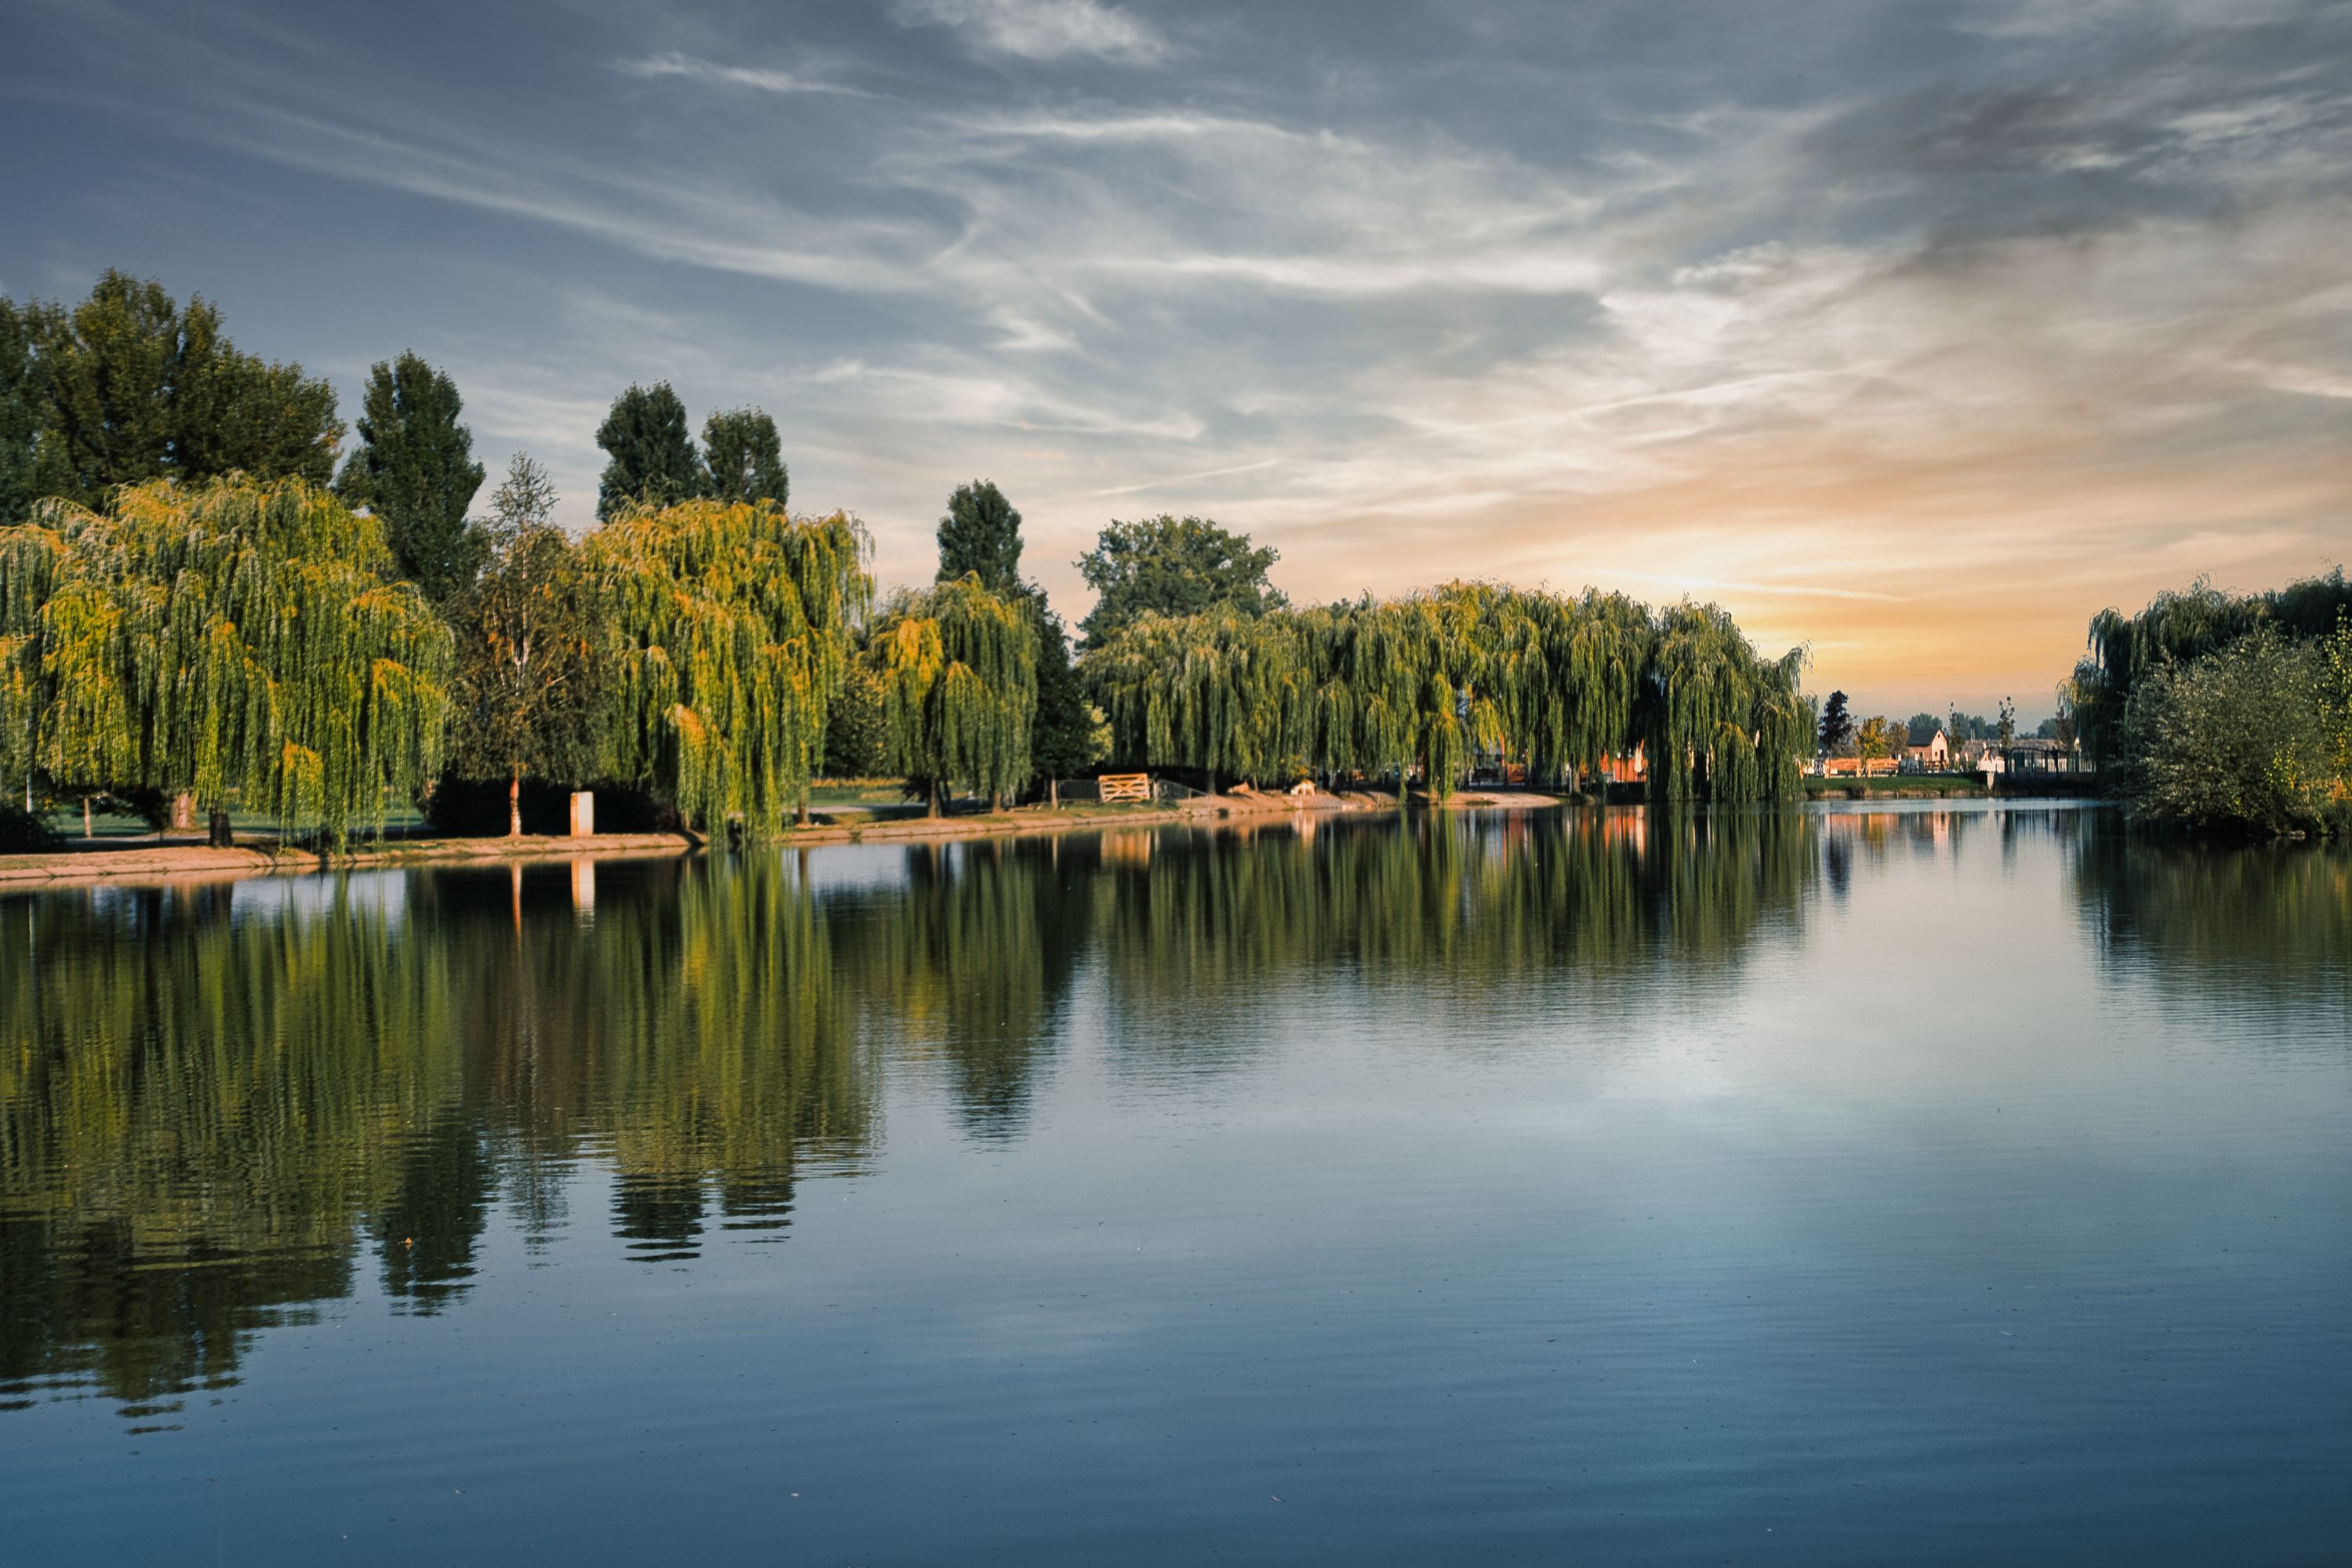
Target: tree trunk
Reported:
point(1054, 793)
point(800, 813)
point(995, 801)
point(183, 809)
point(88, 831)
point(217, 832)
point(931, 799)
point(514, 805)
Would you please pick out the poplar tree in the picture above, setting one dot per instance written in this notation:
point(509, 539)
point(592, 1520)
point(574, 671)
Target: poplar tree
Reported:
point(654, 462)
point(958, 668)
point(744, 457)
point(980, 536)
point(415, 470)
point(22, 394)
point(229, 636)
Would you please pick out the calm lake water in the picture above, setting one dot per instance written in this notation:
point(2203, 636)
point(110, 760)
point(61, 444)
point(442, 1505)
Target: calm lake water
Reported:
point(1910, 1185)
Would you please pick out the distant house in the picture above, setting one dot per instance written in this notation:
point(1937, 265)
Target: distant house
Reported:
point(1929, 749)
point(1981, 757)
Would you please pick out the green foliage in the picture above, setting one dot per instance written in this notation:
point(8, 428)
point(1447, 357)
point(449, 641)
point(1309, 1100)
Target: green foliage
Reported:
point(744, 457)
point(958, 668)
point(529, 649)
point(728, 628)
point(1172, 566)
point(23, 394)
point(1381, 688)
point(2248, 737)
point(653, 463)
point(1065, 735)
point(237, 635)
point(25, 832)
point(1708, 696)
point(2178, 628)
point(856, 738)
point(1836, 730)
point(139, 389)
point(415, 470)
point(980, 536)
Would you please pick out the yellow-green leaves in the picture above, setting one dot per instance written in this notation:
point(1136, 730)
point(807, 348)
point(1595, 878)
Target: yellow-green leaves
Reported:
point(958, 668)
point(1428, 681)
point(729, 627)
point(219, 638)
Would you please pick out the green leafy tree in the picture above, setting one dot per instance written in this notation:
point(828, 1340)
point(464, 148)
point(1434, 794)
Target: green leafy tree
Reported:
point(1836, 730)
point(728, 628)
point(959, 669)
point(1880, 736)
point(1066, 735)
point(744, 457)
point(1172, 566)
point(2007, 724)
point(654, 462)
point(528, 643)
point(415, 468)
point(856, 740)
point(980, 536)
point(2238, 738)
point(23, 394)
point(230, 636)
point(139, 389)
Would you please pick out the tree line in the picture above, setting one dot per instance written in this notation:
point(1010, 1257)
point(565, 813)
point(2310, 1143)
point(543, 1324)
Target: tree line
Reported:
point(197, 603)
point(2223, 711)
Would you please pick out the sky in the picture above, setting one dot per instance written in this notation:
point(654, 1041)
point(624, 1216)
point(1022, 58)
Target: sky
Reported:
point(1914, 332)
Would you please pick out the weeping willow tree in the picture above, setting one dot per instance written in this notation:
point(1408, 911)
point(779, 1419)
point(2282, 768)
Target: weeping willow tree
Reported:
point(729, 627)
point(222, 637)
point(1228, 692)
point(1436, 679)
point(959, 669)
point(1715, 712)
point(2178, 628)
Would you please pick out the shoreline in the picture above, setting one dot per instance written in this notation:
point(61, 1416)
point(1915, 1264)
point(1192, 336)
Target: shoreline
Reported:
point(144, 861)
point(164, 862)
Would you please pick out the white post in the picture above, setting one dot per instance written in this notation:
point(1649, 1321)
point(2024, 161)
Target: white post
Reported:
point(583, 814)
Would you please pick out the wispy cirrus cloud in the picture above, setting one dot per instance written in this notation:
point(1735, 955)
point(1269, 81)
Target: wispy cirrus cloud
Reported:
point(1044, 29)
point(760, 78)
point(1914, 332)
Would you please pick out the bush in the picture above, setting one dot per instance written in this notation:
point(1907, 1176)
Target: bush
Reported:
point(855, 740)
point(24, 833)
point(2241, 739)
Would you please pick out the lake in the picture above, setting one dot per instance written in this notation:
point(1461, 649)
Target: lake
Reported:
point(1920, 1184)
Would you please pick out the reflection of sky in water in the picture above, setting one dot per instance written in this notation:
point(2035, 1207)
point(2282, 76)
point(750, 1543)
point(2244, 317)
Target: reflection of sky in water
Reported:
point(1918, 1184)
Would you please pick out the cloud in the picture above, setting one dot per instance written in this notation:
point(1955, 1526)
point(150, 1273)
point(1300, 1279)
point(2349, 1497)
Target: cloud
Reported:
point(1044, 29)
point(760, 78)
point(1913, 331)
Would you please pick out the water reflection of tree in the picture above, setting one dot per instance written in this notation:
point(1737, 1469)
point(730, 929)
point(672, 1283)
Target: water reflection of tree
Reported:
point(205, 1120)
point(211, 1113)
point(1478, 907)
point(2265, 927)
point(968, 967)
